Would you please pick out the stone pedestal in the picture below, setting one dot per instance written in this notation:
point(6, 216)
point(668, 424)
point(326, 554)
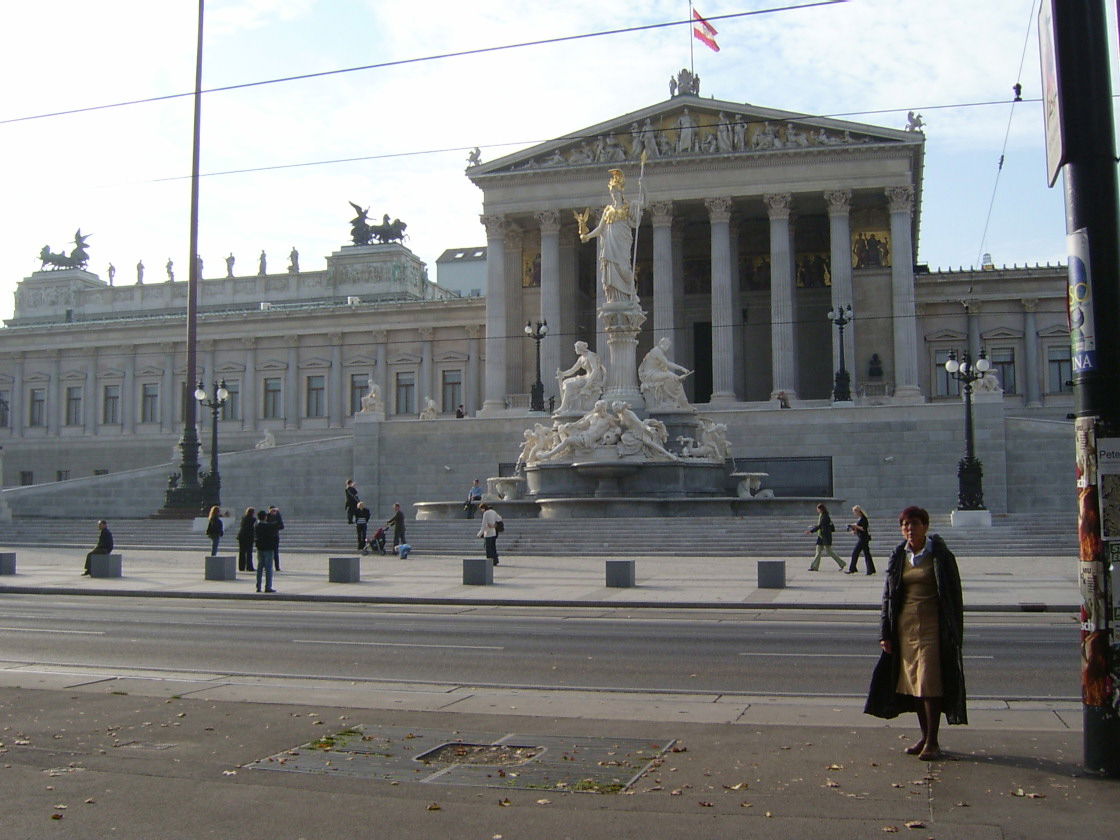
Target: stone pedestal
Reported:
point(478, 571)
point(971, 519)
point(622, 321)
point(344, 569)
point(7, 563)
point(221, 567)
point(620, 573)
point(105, 566)
point(771, 574)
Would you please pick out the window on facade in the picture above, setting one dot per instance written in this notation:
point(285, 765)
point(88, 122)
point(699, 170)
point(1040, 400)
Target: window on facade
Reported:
point(452, 390)
point(1059, 370)
point(111, 405)
point(62, 475)
point(100, 472)
point(1003, 363)
point(74, 405)
point(26, 477)
point(5, 420)
point(406, 392)
point(37, 407)
point(944, 384)
point(316, 396)
point(231, 409)
point(359, 387)
point(272, 398)
point(149, 403)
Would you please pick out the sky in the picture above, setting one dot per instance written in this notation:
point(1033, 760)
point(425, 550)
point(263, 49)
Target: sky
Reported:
point(396, 138)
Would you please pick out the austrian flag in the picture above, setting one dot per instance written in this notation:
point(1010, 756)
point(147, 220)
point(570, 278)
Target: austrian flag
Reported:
point(705, 32)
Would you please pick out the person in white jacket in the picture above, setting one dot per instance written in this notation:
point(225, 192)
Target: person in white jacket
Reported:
point(489, 530)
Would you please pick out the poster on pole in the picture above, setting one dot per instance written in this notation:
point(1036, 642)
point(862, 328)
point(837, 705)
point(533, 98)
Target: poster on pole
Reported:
point(1079, 299)
point(1108, 473)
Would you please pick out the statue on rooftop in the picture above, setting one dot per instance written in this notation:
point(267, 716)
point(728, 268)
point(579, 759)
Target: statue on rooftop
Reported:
point(78, 257)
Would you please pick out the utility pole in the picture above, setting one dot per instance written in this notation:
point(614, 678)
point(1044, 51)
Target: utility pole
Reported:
point(1077, 103)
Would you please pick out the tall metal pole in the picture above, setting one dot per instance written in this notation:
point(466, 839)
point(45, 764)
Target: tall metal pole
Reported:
point(1077, 101)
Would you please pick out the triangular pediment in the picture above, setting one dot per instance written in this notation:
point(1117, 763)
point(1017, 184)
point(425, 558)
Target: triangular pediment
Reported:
point(688, 127)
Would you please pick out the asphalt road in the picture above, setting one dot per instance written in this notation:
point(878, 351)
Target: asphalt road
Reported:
point(797, 653)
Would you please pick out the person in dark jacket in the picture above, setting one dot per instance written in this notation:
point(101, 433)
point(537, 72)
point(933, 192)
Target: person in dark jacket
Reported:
point(361, 523)
point(245, 541)
point(274, 516)
point(823, 529)
point(215, 529)
point(862, 530)
point(921, 668)
point(267, 536)
point(397, 522)
point(104, 542)
point(351, 500)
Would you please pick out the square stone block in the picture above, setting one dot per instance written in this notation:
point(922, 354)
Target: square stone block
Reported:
point(105, 566)
point(478, 571)
point(771, 574)
point(221, 567)
point(7, 563)
point(620, 573)
point(344, 569)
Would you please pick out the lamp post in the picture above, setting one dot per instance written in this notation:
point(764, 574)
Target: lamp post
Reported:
point(970, 472)
point(537, 333)
point(841, 316)
point(212, 483)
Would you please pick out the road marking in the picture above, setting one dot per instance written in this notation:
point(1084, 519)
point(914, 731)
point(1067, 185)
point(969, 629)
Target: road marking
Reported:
point(397, 644)
point(836, 655)
point(35, 630)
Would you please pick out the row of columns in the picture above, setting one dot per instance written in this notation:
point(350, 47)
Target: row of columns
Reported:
point(558, 282)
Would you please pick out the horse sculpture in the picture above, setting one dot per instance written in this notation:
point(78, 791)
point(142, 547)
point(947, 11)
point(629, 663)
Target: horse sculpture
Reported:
point(363, 233)
point(387, 231)
point(78, 258)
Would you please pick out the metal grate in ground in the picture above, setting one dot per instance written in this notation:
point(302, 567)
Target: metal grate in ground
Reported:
point(511, 761)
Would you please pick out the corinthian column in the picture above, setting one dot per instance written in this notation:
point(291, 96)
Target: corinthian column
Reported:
point(495, 374)
point(664, 302)
point(551, 310)
point(840, 266)
point(901, 200)
point(722, 302)
point(783, 351)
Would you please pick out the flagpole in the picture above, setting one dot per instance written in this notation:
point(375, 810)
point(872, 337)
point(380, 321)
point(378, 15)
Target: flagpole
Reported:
point(691, 41)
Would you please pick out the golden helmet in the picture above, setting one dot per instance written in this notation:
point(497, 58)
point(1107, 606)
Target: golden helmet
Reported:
point(618, 180)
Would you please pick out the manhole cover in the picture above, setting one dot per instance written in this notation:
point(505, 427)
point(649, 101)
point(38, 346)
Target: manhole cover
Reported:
point(503, 755)
point(547, 762)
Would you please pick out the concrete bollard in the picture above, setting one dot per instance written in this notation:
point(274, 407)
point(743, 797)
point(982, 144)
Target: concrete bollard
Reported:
point(771, 574)
point(344, 569)
point(620, 573)
point(478, 571)
point(105, 566)
point(7, 563)
point(221, 567)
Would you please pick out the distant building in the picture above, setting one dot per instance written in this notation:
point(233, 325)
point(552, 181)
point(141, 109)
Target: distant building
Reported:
point(462, 270)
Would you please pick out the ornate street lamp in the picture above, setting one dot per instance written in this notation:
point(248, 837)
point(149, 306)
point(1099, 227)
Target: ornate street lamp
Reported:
point(970, 472)
point(841, 316)
point(212, 483)
point(537, 333)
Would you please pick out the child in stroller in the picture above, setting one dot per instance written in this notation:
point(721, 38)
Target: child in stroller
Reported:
point(377, 541)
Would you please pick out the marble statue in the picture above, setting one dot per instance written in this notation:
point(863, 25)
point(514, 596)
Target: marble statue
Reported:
point(266, 442)
point(140, 273)
point(112, 273)
point(262, 265)
point(198, 265)
point(429, 412)
point(372, 402)
point(597, 428)
point(538, 439)
point(474, 157)
point(724, 140)
point(686, 133)
point(293, 261)
point(713, 444)
point(988, 384)
point(661, 378)
point(646, 438)
point(229, 264)
point(914, 122)
point(170, 270)
point(615, 233)
point(579, 390)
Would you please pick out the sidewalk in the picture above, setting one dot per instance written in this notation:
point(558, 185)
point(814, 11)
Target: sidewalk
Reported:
point(1010, 584)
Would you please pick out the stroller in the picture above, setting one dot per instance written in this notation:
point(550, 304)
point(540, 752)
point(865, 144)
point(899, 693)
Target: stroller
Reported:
point(377, 541)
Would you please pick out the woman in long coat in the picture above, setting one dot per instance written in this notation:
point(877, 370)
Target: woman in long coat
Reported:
point(823, 529)
point(921, 668)
point(245, 541)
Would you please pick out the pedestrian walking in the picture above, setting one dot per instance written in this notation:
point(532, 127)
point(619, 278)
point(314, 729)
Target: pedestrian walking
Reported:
point(104, 542)
point(824, 530)
point(396, 521)
point(921, 668)
point(215, 529)
point(351, 500)
point(361, 523)
point(267, 537)
point(492, 525)
point(862, 530)
point(245, 540)
point(274, 516)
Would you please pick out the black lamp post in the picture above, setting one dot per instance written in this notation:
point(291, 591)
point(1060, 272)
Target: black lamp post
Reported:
point(537, 333)
point(970, 472)
point(841, 316)
point(212, 483)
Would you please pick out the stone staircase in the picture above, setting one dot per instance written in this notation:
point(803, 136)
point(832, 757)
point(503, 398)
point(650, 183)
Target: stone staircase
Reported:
point(1030, 535)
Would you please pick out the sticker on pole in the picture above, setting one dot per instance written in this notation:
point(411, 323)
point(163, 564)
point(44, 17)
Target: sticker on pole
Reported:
point(1082, 337)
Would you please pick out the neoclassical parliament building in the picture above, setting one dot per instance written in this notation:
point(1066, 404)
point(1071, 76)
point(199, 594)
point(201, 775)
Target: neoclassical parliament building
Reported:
point(756, 223)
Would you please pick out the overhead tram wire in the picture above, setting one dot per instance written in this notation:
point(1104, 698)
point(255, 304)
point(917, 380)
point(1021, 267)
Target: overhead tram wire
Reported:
point(421, 59)
point(1006, 135)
